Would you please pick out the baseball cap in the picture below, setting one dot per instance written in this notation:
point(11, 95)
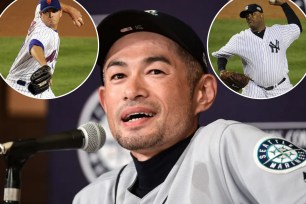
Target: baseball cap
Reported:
point(250, 9)
point(125, 22)
point(49, 4)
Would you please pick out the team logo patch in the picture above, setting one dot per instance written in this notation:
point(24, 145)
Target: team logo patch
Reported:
point(277, 155)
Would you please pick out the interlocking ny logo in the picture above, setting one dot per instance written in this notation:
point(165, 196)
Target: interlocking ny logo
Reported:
point(274, 47)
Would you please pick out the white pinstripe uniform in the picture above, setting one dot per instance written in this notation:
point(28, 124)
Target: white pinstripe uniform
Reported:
point(25, 65)
point(264, 59)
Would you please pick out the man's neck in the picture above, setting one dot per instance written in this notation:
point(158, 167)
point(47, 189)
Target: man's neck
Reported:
point(148, 153)
point(145, 155)
point(259, 29)
point(152, 172)
point(260, 34)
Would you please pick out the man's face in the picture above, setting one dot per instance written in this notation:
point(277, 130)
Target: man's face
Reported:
point(146, 95)
point(51, 18)
point(255, 20)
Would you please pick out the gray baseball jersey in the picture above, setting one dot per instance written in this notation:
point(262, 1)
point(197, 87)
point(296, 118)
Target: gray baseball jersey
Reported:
point(264, 59)
point(225, 162)
point(25, 65)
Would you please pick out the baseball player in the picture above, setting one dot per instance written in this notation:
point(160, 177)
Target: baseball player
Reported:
point(40, 49)
point(262, 50)
point(154, 86)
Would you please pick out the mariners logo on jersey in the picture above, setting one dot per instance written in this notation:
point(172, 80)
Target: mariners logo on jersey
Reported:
point(277, 155)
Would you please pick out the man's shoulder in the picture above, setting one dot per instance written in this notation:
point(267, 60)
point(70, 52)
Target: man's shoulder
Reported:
point(103, 184)
point(230, 130)
point(242, 34)
point(38, 30)
point(100, 182)
point(42, 26)
point(288, 27)
point(222, 125)
point(38, 27)
point(229, 136)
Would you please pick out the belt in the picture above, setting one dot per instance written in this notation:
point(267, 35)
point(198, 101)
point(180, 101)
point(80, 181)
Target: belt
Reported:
point(269, 88)
point(21, 82)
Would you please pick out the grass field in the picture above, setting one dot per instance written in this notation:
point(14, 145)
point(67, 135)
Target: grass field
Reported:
point(75, 61)
point(223, 30)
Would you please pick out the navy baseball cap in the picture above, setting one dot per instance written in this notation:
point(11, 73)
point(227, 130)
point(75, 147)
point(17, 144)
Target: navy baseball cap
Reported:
point(49, 4)
point(125, 22)
point(250, 9)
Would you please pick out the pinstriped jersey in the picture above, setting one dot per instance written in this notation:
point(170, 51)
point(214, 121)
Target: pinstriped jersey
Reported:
point(225, 162)
point(41, 35)
point(264, 59)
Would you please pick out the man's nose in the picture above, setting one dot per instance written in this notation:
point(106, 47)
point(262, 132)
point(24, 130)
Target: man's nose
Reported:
point(135, 89)
point(50, 14)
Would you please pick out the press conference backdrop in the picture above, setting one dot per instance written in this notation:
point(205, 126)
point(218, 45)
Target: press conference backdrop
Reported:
point(70, 171)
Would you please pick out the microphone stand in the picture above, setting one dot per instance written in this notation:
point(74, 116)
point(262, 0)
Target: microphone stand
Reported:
point(12, 186)
point(14, 163)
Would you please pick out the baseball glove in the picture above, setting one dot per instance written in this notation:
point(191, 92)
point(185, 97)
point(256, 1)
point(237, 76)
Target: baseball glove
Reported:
point(40, 80)
point(235, 81)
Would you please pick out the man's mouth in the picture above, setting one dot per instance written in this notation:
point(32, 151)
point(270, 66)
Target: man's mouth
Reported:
point(136, 116)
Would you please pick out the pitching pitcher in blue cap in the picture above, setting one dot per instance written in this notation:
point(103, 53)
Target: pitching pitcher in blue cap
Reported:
point(32, 70)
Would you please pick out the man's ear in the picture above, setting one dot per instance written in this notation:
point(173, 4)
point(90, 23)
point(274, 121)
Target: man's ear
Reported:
point(205, 92)
point(102, 97)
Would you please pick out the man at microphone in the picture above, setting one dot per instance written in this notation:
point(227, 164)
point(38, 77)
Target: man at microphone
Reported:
point(154, 86)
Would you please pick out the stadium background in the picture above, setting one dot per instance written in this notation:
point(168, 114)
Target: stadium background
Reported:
point(56, 177)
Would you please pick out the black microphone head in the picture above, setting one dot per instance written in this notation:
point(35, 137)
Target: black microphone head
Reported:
point(94, 136)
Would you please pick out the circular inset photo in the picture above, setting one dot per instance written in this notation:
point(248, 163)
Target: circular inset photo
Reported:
point(48, 47)
point(257, 48)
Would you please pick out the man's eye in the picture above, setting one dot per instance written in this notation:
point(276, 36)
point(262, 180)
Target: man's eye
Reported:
point(117, 76)
point(155, 71)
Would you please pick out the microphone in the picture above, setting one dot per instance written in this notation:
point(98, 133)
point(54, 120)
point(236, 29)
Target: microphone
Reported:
point(90, 137)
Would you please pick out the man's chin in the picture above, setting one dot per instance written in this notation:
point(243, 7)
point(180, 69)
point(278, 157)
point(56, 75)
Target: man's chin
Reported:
point(139, 140)
point(51, 25)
